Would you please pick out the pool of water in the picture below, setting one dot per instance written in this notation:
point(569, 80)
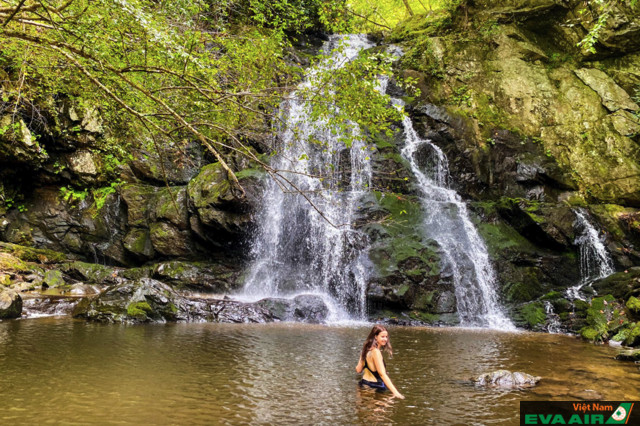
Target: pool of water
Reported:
point(57, 370)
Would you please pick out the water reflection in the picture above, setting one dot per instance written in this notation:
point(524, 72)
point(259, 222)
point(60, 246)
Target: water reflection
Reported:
point(374, 407)
point(73, 372)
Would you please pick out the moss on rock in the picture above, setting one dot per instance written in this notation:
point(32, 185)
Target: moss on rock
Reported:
point(53, 279)
point(139, 310)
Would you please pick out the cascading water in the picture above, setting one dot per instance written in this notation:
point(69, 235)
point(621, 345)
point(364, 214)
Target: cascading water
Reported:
point(297, 250)
point(553, 320)
point(595, 261)
point(447, 222)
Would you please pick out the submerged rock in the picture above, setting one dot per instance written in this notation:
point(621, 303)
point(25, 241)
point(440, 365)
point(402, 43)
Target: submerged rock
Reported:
point(10, 304)
point(631, 355)
point(505, 378)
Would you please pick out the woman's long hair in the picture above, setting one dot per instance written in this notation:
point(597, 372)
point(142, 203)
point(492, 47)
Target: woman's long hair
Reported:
point(371, 342)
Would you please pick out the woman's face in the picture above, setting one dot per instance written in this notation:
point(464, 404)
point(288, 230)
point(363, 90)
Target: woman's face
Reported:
point(382, 338)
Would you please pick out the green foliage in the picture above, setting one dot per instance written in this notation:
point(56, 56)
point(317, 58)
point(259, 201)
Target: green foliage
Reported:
point(534, 314)
point(73, 196)
point(10, 198)
point(359, 105)
point(462, 96)
point(600, 314)
point(600, 11)
point(183, 70)
point(386, 14)
point(100, 194)
point(629, 335)
point(300, 15)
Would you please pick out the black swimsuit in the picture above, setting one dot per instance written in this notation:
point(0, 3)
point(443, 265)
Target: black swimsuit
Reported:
point(378, 384)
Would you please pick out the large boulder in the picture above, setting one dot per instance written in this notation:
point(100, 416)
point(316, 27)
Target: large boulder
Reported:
point(148, 300)
point(10, 304)
point(207, 277)
point(219, 205)
point(145, 300)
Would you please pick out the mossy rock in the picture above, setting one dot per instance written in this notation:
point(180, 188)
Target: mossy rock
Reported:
point(633, 306)
point(502, 239)
point(10, 304)
point(592, 334)
point(632, 355)
point(138, 198)
point(5, 280)
point(602, 318)
point(621, 285)
point(137, 273)
point(208, 277)
point(145, 300)
point(10, 263)
point(138, 242)
point(139, 310)
point(91, 273)
point(629, 335)
point(53, 279)
point(169, 240)
point(30, 254)
point(519, 292)
point(171, 206)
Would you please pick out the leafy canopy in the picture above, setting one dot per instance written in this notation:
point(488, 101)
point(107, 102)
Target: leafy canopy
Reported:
point(214, 71)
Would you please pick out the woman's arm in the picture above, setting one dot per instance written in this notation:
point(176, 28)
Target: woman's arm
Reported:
point(379, 363)
point(360, 366)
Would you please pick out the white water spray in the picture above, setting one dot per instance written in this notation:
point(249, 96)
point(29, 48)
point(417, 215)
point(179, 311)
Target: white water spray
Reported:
point(595, 261)
point(296, 250)
point(447, 222)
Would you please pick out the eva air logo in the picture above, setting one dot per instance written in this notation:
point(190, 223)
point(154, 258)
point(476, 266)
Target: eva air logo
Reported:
point(621, 415)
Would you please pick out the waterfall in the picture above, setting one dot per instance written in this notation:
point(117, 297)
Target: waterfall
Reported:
point(595, 261)
point(295, 249)
point(554, 325)
point(447, 222)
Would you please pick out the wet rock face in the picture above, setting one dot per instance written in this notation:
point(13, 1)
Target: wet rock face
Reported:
point(220, 277)
point(148, 300)
point(506, 379)
point(303, 308)
point(53, 223)
point(139, 222)
point(218, 205)
point(10, 304)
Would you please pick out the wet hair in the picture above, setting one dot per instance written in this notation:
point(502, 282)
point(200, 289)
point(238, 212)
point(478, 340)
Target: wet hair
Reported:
point(371, 342)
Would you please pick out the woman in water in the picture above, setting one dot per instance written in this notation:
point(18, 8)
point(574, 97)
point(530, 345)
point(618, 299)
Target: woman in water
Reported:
point(371, 362)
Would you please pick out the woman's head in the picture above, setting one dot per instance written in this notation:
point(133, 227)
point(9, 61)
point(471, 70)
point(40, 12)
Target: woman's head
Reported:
point(378, 338)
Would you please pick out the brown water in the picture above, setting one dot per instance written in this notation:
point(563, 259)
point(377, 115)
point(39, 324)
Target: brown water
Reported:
point(60, 371)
